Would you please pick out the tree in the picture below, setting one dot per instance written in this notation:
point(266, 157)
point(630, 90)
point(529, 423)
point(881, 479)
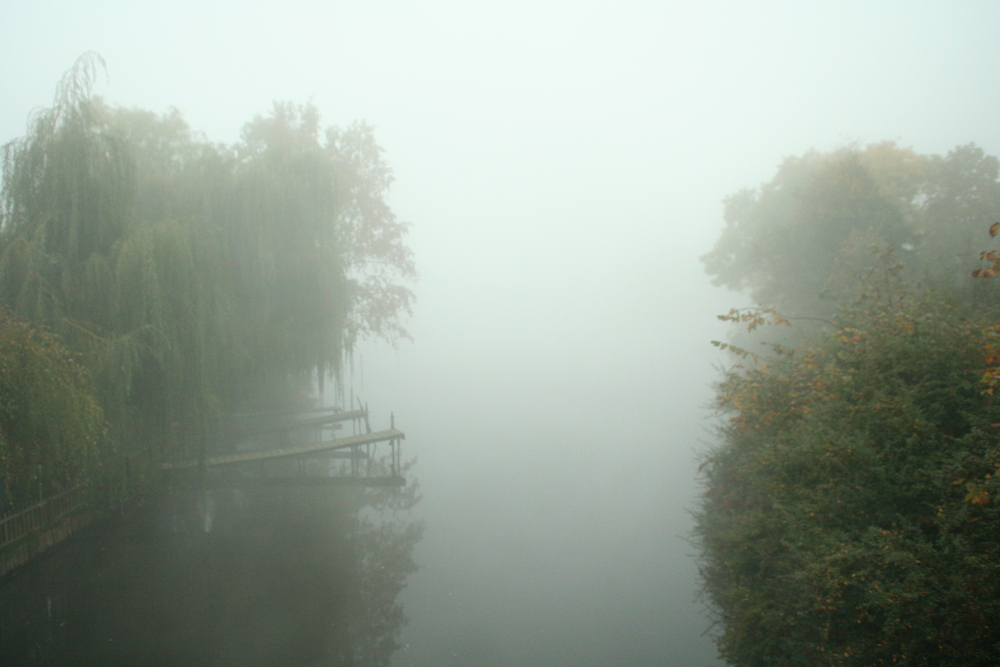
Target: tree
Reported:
point(850, 504)
point(152, 284)
point(196, 279)
point(349, 171)
point(849, 514)
point(816, 227)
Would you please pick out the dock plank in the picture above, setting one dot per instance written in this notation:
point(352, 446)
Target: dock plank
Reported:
point(315, 447)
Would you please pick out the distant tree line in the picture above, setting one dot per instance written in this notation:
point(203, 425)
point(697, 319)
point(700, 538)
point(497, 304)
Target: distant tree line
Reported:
point(850, 508)
point(162, 282)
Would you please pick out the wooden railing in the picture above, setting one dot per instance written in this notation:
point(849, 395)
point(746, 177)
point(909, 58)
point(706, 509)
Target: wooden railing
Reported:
point(42, 515)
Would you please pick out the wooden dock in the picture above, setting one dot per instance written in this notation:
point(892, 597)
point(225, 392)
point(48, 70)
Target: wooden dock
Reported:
point(292, 482)
point(26, 534)
point(301, 450)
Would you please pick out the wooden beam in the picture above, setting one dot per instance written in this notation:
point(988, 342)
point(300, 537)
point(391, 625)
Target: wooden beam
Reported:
point(326, 445)
point(299, 482)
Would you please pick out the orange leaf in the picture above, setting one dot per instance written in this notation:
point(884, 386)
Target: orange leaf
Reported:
point(978, 497)
point(994, 229)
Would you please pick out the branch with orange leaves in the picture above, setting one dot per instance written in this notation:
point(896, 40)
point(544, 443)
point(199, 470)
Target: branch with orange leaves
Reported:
point(753, 318)
point(991, 346)
point(989, 256)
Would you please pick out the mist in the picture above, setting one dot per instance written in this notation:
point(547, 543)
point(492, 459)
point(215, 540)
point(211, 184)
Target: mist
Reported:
point(562, 168)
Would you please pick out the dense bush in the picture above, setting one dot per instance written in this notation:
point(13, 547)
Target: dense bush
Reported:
point(52, 431)
point(849, 514)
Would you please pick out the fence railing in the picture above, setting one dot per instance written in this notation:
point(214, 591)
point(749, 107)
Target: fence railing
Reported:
point(41, 515)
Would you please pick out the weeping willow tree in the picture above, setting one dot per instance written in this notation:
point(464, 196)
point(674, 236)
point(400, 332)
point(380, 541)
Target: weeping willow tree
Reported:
point(194, 279)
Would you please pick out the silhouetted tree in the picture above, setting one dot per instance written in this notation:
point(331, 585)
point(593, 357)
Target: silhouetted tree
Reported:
point(820, 225)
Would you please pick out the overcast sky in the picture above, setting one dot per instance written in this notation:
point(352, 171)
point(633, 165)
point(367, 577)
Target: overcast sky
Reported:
point(562, 165)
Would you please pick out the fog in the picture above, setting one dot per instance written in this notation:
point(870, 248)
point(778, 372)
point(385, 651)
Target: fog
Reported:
point(562, 167)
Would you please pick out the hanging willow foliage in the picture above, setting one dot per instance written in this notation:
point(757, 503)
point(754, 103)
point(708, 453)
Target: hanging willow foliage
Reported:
point(195, 279)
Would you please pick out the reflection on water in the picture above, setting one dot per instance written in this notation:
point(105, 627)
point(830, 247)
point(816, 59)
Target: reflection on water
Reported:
point(235, 577)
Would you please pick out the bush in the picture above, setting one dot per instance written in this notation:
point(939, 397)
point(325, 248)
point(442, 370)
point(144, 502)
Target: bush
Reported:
point(52, 432)
point(849, 515)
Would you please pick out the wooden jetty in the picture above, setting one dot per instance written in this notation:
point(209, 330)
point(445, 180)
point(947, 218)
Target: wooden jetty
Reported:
point(389, 435)
point(249, 469)
point(348, 461)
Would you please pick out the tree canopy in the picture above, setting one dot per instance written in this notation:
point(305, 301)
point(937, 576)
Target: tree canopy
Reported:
point(195, 279)
point(850, 508)
point(153, 284)
point(818, 225)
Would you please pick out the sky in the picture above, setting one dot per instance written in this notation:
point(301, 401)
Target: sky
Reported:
point(562, 165)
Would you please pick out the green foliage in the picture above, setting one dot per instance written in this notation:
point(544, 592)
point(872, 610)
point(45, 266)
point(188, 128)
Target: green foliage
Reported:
point(850, 508)
point(52, 432)
point(181, 281)
point(821, 224)
point(849, 514)
point(194, 279)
